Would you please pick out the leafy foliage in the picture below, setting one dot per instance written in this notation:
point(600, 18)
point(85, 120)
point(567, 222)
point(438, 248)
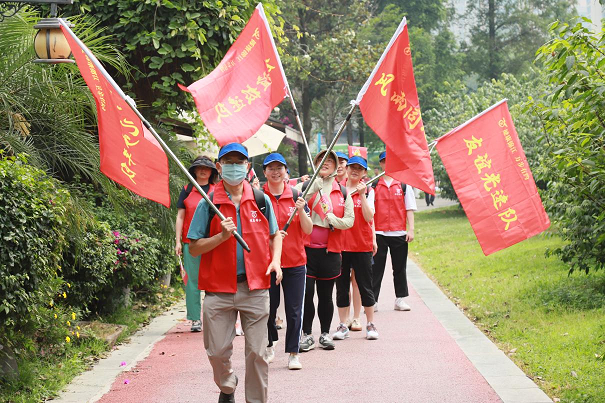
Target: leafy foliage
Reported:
point(32, 223)
point(573, 142)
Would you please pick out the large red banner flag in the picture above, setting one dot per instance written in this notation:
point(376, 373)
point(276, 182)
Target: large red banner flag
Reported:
point(237, 97)
point(490, 174)
point(389, 104)
point(130, 155)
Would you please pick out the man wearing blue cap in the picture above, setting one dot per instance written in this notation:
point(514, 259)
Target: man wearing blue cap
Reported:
point(285, 200)
point(341, 170)
point(394, 223)
point(236, 281)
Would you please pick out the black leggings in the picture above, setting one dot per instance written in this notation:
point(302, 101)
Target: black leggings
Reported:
point(325, 305)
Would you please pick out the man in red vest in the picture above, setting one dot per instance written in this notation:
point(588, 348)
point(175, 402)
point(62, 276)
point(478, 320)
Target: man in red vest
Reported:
point(394, 222)
point(236, 281)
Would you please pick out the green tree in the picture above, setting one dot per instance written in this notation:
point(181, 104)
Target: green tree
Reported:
point(505, 34)
point(170, 42)
point(572, 118)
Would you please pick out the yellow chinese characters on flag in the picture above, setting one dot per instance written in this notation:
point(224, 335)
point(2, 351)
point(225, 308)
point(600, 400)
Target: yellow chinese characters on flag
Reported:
point(488, 169)
point(130, 155)
point(389, 104)
point(237, 97)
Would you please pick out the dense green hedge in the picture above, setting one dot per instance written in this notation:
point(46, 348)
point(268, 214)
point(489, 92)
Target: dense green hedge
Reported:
point(32, 227)
point(55, 267)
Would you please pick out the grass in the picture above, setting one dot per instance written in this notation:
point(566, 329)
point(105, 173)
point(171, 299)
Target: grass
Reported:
point(550, 324)
point(42, 376)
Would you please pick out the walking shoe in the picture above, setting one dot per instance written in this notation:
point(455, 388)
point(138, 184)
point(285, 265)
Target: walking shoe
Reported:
point(400, 305)
point(371, 333)
point(196, 325)
point(342, 332)
point(376, 307)
point(307, 342)
point(270, 354)
point(348, 322)
point(228, 397)
point(238, 329)
point(294, 362)
point(325, 342)
point(356, 325)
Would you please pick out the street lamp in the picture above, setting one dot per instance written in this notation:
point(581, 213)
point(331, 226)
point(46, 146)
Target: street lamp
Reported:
point(49, 43)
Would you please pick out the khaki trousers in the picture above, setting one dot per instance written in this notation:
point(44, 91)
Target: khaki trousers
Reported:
point(220, 314)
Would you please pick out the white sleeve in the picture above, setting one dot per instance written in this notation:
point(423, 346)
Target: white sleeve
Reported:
point(410, 200)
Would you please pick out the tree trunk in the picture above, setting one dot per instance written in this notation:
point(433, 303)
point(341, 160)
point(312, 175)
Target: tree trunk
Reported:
point(360, 128)
point(491, 15)
point(350, 133)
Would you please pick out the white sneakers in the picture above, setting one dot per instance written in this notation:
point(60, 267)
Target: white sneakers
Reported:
point(294, 361)
point(270, 354)
point(371, 332)
point(342, 332)
point(400, 305)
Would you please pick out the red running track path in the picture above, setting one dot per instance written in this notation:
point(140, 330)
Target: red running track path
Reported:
point(415, 360)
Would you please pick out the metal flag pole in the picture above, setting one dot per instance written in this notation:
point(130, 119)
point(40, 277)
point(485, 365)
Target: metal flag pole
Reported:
point(323, 160)
point(130, 103)
point(309, 157)
point(369, 183)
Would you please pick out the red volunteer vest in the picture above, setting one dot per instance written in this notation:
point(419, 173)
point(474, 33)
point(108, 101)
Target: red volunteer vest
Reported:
point(293, 246)
point(191, 203)
point(358, 238)
point(335, 238)
point(389, 203)
point(218, 268)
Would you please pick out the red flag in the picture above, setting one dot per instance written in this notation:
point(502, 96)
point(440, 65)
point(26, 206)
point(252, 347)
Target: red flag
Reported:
point(251, 175)
point(323, 207)
point(184, 275)
point(488, 169)
point(389, 105)
point(358, 151)
point(237, 97)
point(130, 155)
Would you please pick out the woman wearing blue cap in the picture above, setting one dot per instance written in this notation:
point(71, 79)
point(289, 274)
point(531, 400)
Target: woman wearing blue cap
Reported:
point(205, 173)
point(285, 200)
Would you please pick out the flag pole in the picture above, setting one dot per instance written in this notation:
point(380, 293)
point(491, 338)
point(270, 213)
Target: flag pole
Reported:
point(304, 137)
point(130, 103)
point(330, 147)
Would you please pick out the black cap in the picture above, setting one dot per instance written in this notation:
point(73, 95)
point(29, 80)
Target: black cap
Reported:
point(203, 161)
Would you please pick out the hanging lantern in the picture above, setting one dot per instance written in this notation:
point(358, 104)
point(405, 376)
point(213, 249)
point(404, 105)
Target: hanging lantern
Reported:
point(50, 44)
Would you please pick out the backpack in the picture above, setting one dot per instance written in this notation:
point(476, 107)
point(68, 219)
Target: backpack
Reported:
point(259, 198)
point(403, 186)
point(343, 189)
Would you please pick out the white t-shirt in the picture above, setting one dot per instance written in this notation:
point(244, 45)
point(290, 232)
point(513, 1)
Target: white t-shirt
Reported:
point(410, 205)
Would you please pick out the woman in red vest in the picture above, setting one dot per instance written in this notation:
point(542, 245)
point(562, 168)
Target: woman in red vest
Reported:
point(293, 257)
point(358, 248)
point(331, 212)
point(205, 173)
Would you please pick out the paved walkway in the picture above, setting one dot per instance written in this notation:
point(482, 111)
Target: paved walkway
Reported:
point(431, 354)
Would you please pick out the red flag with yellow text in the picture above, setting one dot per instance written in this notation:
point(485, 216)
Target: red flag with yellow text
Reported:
point(389, 104)
point(237, 97)
point(490, 174)
point(355, 151)
point(130, 155)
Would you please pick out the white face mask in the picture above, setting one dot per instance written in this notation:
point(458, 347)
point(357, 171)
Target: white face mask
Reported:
point(234, 174)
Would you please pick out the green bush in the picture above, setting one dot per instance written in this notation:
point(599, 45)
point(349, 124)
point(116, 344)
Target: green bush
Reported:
point(573, 142)
point(32, 227)
point(88, 264)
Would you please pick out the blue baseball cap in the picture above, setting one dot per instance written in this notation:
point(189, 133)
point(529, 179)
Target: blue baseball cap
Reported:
point(342, 155)
point(382, 156)
point(359, 161)
point(232, 147)
point(275, 157)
